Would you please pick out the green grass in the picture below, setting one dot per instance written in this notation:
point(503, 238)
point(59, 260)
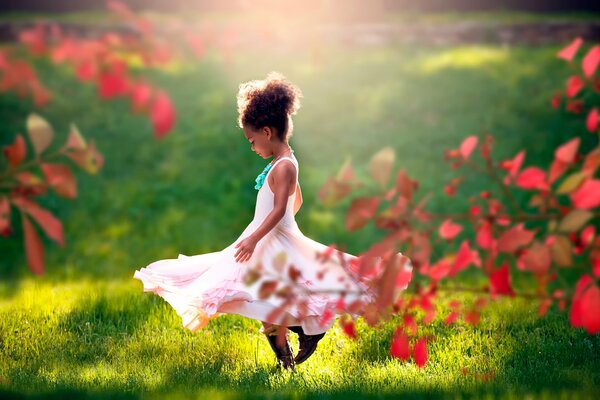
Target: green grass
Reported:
point(86, 327)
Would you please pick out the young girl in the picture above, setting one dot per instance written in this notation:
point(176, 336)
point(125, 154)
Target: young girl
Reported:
point(204, 286)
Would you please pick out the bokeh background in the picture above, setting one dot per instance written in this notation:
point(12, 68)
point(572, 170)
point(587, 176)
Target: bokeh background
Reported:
point(416, 76)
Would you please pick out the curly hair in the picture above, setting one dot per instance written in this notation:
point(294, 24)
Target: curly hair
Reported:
point(269, 102)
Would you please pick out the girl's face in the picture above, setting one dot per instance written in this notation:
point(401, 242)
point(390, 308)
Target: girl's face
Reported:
point(260, 140)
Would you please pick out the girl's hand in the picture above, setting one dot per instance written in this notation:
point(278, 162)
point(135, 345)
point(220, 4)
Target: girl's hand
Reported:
point(246, 248)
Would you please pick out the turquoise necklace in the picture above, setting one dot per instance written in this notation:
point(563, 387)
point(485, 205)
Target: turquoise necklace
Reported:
point(260, 179)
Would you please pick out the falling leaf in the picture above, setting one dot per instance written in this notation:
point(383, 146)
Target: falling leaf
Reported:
point(569, 51)
point(381, 165)
point(448, 230)
point(40, 133)
point(348, 328)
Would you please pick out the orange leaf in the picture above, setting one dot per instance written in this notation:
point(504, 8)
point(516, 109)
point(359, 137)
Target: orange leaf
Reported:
point(537, 259)
point(40, 133)
point(16, 152)
point(33, 247)
point(381, 165)
point(515, 237)
point(75, 140)
point(61, 179)
point(361, 211)
point(47, 221)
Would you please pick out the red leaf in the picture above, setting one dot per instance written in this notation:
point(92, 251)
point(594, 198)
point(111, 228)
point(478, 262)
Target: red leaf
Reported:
point(467, 146)
point(576, 313)
point(162, 114)
point(87, 71)
point(472, 317)
point(33, 247)
point(464, 258)
point(410, 325)
point(513, 166)
point(16, 152)
point(574, 85)
point(266, 289)
point(537, 260)
point(515, 237)
point(112, 84)
point(557, 168)
point(4, 214)
point(590, 309)
point(360, 212)
point(484, 236)
point(569, 52)
point(596, 267)
point(420, 352)
point(348, 328)
point(326, 317)
point(590, 61)
point(448, 230)
point(400, 347)
point(532, 178)
point(49, 223)
point(141, 93)
point(451, 318)
point(61, 179)
point(588, 195)
point(592, 120)
point(567, 152)
point(500, 282)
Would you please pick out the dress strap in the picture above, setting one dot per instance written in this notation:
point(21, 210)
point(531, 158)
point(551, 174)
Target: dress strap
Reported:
point(281, 159)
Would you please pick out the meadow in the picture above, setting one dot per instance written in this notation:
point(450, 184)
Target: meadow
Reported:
point(86, 329)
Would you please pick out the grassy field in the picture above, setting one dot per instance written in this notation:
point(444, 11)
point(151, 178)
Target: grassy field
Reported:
point(86, 328)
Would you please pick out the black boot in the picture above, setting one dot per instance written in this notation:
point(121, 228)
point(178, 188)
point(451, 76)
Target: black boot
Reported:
point(285, 356)
point(308, 343)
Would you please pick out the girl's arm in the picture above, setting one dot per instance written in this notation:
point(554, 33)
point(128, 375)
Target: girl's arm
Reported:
point(298, 199)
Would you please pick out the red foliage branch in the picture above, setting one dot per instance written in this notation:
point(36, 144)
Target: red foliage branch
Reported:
point(21, 182)
point(551, 238)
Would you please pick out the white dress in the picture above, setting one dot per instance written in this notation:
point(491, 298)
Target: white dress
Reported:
point(204, 286)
